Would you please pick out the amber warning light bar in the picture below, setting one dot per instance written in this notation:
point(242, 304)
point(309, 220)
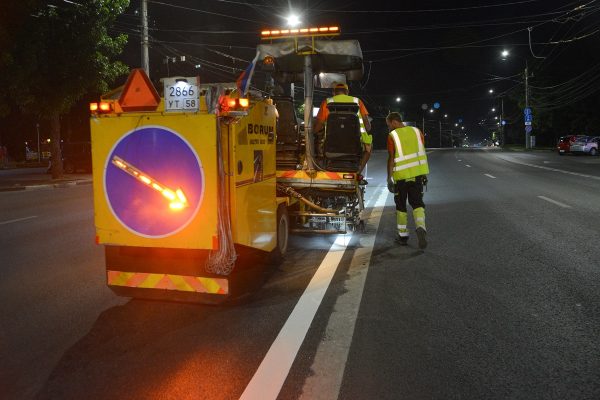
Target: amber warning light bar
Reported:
point(281, 33)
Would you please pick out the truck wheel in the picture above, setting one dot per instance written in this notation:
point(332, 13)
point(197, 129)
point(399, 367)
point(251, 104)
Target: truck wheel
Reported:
point(283, 229)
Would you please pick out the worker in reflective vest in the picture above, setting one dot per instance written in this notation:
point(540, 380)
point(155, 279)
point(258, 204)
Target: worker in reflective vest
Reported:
point(407, 173)
point(340, 95)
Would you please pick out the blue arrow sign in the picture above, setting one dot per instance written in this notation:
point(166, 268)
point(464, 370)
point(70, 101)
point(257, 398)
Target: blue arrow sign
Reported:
point(146, 168)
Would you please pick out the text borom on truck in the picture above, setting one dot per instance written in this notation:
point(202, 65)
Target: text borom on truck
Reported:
point(196, 190)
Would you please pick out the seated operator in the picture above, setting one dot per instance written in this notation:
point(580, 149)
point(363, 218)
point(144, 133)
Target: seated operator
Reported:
point(340, 95)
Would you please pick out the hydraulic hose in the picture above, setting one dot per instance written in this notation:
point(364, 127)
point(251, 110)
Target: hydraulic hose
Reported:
point(291, 192)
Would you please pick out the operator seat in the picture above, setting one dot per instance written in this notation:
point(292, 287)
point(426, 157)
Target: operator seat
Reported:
point(342, 147)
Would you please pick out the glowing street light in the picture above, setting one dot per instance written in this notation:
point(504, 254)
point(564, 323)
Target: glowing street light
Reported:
point(493, 110)
point(505, 53)
point(293, 20)
point(398, 99)
point(491, 91)
point(430, 110)
point(445, 115)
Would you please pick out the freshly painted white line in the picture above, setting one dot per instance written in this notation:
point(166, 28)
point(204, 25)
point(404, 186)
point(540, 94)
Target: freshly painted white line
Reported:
point(550, 169)
point(558, 203)
point(327, 370)
point(467, 165)
point(17, 220)
point(274, 368)
point(490, 176)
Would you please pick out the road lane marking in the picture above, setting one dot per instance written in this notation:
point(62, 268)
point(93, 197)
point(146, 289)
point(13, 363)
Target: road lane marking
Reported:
point(273, 370)
point(551, 169)
point(17, 220)
point(327, 370)
point(467, 165)
point(490, 176)
point(459, 160)
point(275, 367)
point(558, 203)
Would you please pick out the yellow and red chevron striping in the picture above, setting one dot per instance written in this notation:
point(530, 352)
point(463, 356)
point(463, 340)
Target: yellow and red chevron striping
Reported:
point(183, 283)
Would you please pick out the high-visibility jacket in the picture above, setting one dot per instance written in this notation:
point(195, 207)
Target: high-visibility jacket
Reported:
point(365, 137)
point(410, 159)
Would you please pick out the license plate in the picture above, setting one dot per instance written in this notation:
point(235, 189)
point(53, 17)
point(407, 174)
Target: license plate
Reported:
point(181, 94)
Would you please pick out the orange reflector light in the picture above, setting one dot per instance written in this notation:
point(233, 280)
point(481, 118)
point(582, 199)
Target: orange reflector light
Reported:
point(168, 194)
point(285, 31)
point(304, 30)
point(294, 30)
point(104, 106)
point(348, 176)
point(244, 103)
point(146, 180)
point(314, 29)
point(264, 33)
point(231, 103)
point(323, 29)
point(93, 107)
point(275, 32)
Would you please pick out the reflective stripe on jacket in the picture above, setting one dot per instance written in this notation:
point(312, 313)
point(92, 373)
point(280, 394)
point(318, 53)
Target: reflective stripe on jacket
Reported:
point(410, 159)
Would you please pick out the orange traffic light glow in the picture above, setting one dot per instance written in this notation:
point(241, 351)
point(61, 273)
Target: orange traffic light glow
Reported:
point(177, 199)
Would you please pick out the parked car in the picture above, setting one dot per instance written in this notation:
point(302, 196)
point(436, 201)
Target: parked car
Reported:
point(585, 145)
point(564, 144)
point(593, 146)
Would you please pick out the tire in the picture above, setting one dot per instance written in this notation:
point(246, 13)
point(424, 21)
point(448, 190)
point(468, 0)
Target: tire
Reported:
point(283, 233)
point(593, 151)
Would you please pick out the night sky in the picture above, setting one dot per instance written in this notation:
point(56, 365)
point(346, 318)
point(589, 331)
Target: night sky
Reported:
point(422, 51)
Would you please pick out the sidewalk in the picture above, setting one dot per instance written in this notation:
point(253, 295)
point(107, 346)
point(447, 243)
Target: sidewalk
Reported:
point(37, 178)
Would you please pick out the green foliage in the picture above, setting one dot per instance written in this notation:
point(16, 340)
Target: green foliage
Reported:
point(62, 53)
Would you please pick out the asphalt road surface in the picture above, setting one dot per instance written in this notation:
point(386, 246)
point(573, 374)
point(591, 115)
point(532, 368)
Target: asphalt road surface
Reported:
point(503, 304)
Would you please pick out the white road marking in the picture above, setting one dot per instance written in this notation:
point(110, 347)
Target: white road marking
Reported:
point(558, 203)
point(467, 165)
point(17, 220)
point(332, 354)
point(274, 368)
point(459, 160)
point(490, 176)
point(551, 169)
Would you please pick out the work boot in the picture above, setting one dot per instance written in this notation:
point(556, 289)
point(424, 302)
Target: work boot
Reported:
point(421, 233)
point(402, 240)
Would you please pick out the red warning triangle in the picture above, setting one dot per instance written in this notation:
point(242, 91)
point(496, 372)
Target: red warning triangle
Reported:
point(139, 94)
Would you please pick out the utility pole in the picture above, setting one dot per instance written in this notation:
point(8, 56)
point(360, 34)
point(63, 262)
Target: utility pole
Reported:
point(440, 121)
point(145, 58)
point(502, 139)
point(527, 130)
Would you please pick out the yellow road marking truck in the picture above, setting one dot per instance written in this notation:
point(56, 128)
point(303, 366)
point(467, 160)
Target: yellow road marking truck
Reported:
point(189, 183)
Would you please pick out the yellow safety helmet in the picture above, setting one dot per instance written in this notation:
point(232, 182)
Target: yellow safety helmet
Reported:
point(340, 86)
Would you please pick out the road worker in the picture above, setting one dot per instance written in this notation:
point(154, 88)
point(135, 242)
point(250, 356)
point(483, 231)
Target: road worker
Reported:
point(407, 171)
point(340, 95)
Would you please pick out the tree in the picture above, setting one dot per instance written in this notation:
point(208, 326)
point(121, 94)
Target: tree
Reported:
point(61, 54)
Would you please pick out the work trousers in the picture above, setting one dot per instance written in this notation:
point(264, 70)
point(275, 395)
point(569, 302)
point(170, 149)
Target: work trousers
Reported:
point(411, 190)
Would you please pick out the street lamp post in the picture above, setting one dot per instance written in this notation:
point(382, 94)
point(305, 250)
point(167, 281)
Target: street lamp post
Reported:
point(505, 54)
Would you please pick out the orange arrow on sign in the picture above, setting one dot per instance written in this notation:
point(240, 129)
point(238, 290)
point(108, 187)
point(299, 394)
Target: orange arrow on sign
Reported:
point(177, 199)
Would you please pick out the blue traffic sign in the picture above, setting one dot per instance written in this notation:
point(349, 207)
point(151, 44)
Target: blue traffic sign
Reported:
point(503, 122)
point(148, 169)
point(436, 105)
point(528, 114)
point(460, 120)
point(528, 128)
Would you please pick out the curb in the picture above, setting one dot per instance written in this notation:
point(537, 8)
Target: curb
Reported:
point(46, 186)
